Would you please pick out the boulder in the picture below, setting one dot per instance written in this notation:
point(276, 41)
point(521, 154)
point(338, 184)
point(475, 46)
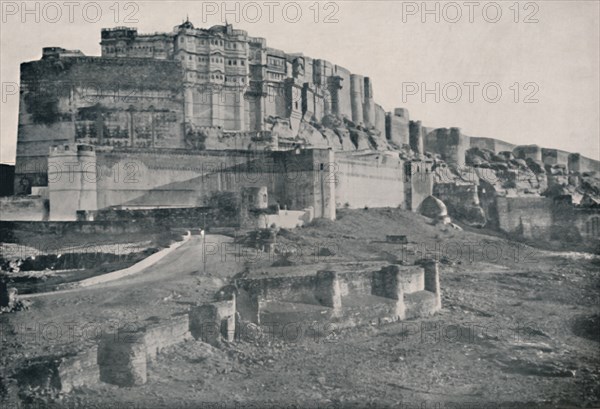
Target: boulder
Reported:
point(508, 155)
point(536, 166)
point(473, 216)
point(360, 139)
point(499, 166)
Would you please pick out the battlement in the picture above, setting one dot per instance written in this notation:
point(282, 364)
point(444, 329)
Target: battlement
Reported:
point(59, 52)
point(119, 32)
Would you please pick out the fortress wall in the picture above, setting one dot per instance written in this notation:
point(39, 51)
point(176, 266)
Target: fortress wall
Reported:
point(313, 103)
point(529, 216)
point(483, 143)
point(416, 136)
point(575, 224)
point(307, 180)
point(357, 90)
point(555, 157)
point(397, 128)
point(494, 145)
point(174, 178)
point(344, 93)
point(29, 208)
point(293, 103)
point(216, 140)
point(421, 183)
point(369, 104)
point(177, 179)
point(275, 102)
point(322, 70)
point(579, 163)
point(145, 118)
point(547, 219)
point(94, 100)
point(450, 144)
point(379, 119)
point(33, 144)
point(528, 151)
point(72, 181)
point(371, 180)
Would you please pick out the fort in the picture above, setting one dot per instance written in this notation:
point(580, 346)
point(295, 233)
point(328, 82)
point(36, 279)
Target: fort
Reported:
point(166, 120)
point(197, 217)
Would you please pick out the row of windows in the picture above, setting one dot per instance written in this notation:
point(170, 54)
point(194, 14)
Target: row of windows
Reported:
point(215, 60)
point(205, 77)
point(232, 46)
point(144, 48)
point(276, 76)
point(277, 61)
point(211, 42)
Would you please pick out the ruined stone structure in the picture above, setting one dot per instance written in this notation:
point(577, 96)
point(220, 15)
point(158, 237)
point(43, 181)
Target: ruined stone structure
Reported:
point(243, 310)
point(345, 297)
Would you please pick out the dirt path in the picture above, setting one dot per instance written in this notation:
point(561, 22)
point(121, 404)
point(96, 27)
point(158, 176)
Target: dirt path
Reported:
point(513, 332)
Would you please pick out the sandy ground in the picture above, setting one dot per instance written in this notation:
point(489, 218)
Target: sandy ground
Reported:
point(519, 327)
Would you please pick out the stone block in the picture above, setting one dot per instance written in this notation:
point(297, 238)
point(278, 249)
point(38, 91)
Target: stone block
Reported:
point(432, 281)
point(205, 324)
point(327, 290)
point(122, 359)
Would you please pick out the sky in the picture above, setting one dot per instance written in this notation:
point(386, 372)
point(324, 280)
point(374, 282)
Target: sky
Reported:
point(526, 72)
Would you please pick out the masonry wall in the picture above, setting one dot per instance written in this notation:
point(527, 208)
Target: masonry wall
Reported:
point(371, 180)
point(416, 137)
point(457, 195)
point(450, 144)
point(397, 127)
point(72, 181)
point(368, 103)
point(139, 177)
point(575, 224)
point(379, 119)
point(178, 179)
point(102, 101)
point(555, 157)
point(357, 91)
point(31, 208)
point(344, 93)
point(531, 217)
point(528, 151)
point(494, 145)
point(419, 184)
point(579, 163)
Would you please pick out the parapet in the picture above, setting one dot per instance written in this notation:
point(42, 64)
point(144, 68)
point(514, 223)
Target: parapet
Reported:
point(58, 52)
point(528, 151)
point(402, 112)
point(119, 32)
